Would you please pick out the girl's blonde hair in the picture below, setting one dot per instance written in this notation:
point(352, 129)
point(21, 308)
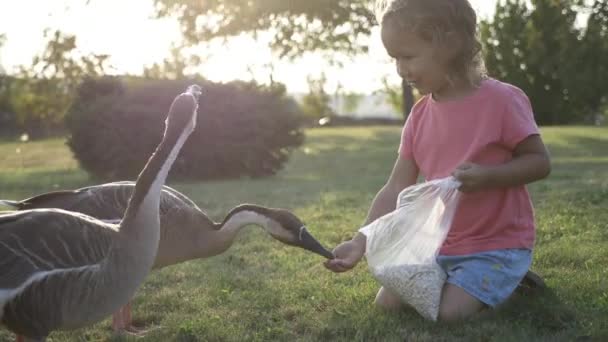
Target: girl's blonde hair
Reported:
point(434, 20)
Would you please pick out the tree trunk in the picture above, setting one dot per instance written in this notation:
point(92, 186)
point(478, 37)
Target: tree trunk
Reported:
point(408, 98)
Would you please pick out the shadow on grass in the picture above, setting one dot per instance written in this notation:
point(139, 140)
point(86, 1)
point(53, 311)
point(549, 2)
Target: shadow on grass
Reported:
point(533, 317)
point(542, 311)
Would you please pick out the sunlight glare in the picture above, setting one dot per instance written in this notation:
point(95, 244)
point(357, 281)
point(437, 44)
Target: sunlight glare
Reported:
point(127, 31)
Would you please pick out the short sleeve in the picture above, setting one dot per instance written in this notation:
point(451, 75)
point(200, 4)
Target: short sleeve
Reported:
point(406, 147)
point(518, 119)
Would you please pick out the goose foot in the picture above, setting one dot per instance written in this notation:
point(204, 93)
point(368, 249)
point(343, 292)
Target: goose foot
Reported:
point(138, 331)
point(121, 319)
point(122, 323)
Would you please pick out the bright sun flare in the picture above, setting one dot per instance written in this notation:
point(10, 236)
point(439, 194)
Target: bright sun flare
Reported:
point(128, 32)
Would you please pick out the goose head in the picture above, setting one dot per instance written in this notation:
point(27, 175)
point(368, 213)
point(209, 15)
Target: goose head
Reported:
point(182, 114)
point(281, 224)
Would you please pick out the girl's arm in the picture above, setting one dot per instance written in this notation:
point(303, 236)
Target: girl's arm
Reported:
point(530, 163)
point(348, 254)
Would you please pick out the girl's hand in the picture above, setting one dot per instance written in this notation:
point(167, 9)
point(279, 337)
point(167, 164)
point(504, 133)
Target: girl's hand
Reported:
point(347, 255)
point(473, 177)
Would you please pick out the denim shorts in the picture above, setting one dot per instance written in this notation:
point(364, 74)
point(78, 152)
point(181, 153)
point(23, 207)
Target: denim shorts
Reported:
point(489, 276)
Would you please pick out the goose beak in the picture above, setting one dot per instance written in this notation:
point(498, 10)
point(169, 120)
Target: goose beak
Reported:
point(308, 242)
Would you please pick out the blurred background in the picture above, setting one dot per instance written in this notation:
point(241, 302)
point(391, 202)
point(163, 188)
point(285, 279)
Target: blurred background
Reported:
point(302, 109)
point(92, 70)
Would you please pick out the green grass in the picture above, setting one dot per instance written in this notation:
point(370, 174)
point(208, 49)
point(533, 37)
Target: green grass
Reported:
point(261, 290)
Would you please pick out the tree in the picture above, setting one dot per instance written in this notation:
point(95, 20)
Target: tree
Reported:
point(407, 98)
point(590, 71)
point(2, 42)
point(174, 67)
point(541, 50)
point(345, 102)
point(7, 117)
point(297, 26)
point(41, 93)
point(315, 104)
point(394, 96)
point(352, 101)
point(4, 83)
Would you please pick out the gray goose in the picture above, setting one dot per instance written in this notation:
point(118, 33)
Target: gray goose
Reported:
point(186, 232)
point(62, 270)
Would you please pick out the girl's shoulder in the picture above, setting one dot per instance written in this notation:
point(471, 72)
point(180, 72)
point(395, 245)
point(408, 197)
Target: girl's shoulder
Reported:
point(509, 99)
point(503, 92)
point(418, 108)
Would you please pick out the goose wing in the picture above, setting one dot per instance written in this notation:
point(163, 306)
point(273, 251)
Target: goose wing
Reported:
point(95, 201)
point(48, 260)
point(64, 198)
point(166, 190)
point(105, 201)
point(36, 242)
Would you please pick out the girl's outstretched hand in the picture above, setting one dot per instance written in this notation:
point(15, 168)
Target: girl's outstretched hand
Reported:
point(473, 177)
point(347, 255)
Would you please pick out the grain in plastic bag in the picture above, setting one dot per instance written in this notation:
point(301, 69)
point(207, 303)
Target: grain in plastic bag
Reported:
point(402, 245)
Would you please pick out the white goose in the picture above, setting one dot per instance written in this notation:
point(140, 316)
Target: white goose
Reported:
point(187, 233)
point(61, 270)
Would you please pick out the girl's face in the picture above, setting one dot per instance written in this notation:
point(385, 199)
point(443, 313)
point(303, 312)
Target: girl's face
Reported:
point(419, 62)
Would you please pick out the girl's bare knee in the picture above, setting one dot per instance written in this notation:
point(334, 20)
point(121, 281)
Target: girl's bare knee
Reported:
point(457, 304)
point(449, 313)
point(387, 300)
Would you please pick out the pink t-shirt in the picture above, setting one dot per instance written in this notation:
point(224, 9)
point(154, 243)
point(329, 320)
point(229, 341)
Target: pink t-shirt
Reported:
point(483, 128)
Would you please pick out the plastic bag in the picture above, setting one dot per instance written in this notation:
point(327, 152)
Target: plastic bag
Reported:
point(402, 245)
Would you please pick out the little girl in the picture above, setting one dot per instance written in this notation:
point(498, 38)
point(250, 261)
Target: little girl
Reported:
point(481, 131)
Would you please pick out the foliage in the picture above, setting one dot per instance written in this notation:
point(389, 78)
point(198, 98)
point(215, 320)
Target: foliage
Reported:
point(262, 290)
point(316, 103)
point(40, 94)
point(2, 42)
point(8, 124)
point(174, 67)
point(540, 49)
point(243, 129)
point(298, 26)
point(392, 95)
point(408, 98)
point(352, 101)
point(401, 98)
point(590, 72)
point(345, 102)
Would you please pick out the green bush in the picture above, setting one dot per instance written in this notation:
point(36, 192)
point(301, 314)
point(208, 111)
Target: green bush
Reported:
point(8, 121)
point(243, 129)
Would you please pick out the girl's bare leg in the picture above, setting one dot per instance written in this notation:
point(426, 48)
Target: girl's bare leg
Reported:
point(387, 300)
point(457, 304)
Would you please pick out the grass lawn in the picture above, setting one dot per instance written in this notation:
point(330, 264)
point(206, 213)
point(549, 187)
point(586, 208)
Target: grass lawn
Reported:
point(261, 290)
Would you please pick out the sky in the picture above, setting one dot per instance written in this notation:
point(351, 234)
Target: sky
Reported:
point(127, 31)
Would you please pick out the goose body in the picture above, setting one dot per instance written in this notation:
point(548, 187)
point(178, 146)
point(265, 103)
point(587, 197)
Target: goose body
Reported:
point(41, 272)
point(62, 270)
point(180, 218)
point(186, 232)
